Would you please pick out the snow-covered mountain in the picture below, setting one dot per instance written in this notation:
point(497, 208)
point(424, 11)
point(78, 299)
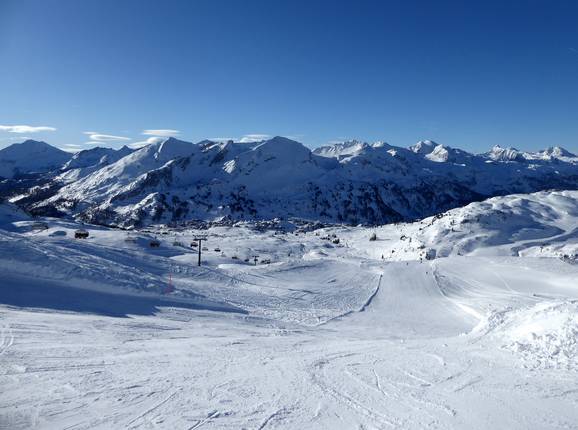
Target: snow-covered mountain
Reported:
point(351, 182)
point(423, 147)
point(30, 156)
point(341, 149)
point(497, 153)
point(88, 161)
point(95, 157)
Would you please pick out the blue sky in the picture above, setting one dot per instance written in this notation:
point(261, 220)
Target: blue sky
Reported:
point(466, 74)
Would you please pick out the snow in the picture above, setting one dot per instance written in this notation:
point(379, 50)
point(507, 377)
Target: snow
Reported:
point(440, 154)
point(173, 148)
point(344, 149)
point(88, 161)
point(505, 154)
point(544, 334)
point(107, 332)
point(423, 147)
point(95, 156)
point(540, 224)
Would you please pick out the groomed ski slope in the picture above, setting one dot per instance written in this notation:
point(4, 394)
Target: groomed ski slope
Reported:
point(326, 336)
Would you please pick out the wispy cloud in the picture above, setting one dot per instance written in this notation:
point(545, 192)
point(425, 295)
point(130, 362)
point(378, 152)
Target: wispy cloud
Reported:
point(156, 135)
point(248, 138)
point(221, 139)
point(15, 139)
point(338, 140)
point(71, 148)
point(96, 137)
point(25, 128)
point(150, 141)
point(164, 132)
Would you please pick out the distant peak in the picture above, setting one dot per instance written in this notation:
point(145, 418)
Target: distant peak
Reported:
point(558, 151)
point(281, 139)
point(423, 147)
point(34, 145)
point(380, 144)
point(497, 153)
point(173, 148)
point(497, 148)
point(173, 141)
point(346, 148)
point(280, 146)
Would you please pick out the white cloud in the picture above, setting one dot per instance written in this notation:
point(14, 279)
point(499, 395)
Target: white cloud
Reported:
point(161, 132)
point(15, 139)
point(150, 141)
point(25, 128)
point(98, 137)
point(71, 148)
point(248, 138)
point(221, 139)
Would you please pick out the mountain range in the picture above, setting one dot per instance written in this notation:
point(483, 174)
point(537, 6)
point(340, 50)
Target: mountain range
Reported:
point(351, 182)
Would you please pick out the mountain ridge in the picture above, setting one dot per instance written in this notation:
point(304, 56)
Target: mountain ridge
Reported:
point(350, 182)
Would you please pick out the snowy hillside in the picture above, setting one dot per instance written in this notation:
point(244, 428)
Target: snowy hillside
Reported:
point(95, 157)
point(462, 320)
point(30, 157)
point(542, 224)
point(350, 182)
point(88, 161)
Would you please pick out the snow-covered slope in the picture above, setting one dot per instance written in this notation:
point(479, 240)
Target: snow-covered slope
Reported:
point(498, 153)
point(341, 149)
point(423, 147)
point(88, 161)
point(541, 224)
point(109, 332)
point(96, 156)
point(30, 157)
point(351, 182)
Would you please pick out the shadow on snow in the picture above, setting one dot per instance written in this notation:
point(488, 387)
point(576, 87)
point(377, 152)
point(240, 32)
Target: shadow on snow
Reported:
point(22, 294)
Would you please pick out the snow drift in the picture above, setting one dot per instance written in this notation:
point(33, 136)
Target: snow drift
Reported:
point(545, 335)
